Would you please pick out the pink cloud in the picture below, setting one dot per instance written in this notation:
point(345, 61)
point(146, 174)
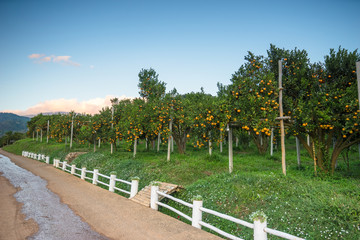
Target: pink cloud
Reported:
point(35, 56)
point(91, 106)
point(41, 58)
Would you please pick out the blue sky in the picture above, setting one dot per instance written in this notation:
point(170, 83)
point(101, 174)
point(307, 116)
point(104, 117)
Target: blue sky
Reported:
point(81, 52)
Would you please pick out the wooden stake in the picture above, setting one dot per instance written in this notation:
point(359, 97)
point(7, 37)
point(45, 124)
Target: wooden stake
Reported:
point(47, 131)
point(298, 151)
point(358, 85)
point(272, 142)
point(283, 163)
point(169, 141)
point(314, 158)
point(230, 150)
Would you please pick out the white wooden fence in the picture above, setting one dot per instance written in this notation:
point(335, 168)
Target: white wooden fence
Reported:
point(83, 174)
point(260, 227)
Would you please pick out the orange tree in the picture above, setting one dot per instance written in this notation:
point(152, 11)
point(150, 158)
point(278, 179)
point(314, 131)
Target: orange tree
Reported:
point(252, 100)
point(329, 109)
point(208, 122)
point(322, 101)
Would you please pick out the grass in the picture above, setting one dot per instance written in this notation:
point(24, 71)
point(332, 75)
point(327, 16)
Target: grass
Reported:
point(323, 207)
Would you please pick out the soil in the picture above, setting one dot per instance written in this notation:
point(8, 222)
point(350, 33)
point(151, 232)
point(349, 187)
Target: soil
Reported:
point(108, 214)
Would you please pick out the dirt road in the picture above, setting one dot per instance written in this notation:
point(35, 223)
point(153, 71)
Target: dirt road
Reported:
point(107, 213)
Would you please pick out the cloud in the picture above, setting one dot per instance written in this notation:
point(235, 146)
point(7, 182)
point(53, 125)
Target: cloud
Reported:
point(41, 58)
point(35, 56)
point(91, 106)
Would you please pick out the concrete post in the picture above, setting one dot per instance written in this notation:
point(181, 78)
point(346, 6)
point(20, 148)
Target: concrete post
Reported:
point(154, 197)
point(112, 182)
point(39, 157)
point(196, 213)
point(73, 169)
point(134, 187)
point(47, 159)
point(95, 176)
point(83, 173)
point(54, 162)
point(259, 233)
point(64, 165)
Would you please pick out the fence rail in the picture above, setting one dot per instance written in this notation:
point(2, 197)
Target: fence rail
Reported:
point(73, 170)
point(260, 228)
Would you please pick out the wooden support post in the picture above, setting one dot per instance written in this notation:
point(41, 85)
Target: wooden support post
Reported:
point(169, 141)
point(158, 142)
point(221, 141)
point(298, 151)
point(47, 131)
point(95, 176)
point(134, 187)
point(358, 85)
point(272, 142)
point(135, 145)
point(72, 131)
point(197, 213)
point(282, 130)
point(230, 150)
point(83, 173)
point(154, 197)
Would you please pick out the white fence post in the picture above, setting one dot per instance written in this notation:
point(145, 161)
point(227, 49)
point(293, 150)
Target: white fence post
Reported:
point(73, 168)
point(56, 163)
point(259, 233)
point(83, 173)
point(95, 176)
point(112, 182)
point(154, 197)
point(47, 159)
point(134, 187)
point(196, 213)
point(64, 165)
point(39, 157)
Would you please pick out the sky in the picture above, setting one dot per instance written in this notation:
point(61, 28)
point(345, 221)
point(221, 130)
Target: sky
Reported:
point(77, 55)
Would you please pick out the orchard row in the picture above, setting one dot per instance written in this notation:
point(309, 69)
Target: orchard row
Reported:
point(321, 100)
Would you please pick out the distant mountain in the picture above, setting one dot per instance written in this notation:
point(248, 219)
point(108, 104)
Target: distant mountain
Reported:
point(12, 122)
point(46, 113)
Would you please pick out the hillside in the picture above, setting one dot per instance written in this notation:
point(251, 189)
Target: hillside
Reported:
point(12, 122)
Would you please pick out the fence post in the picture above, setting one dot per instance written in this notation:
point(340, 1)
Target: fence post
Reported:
point(47, 159)
point(56, 163)
point(73, 168)
point(39, 157)
point(95, 176)
point(196, 213)
point(259, 233)
point(112, 182)
point(83, 173)
point(134, 187)
point(154, 197)
point(64, 165)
